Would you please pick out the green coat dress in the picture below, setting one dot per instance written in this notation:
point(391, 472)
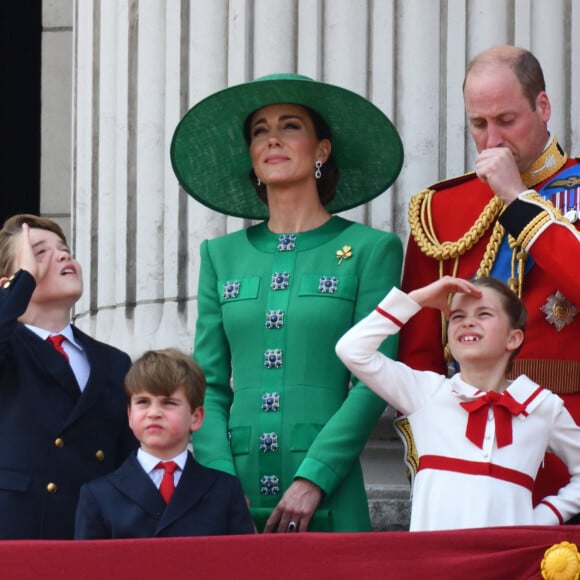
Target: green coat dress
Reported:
point(278, 406)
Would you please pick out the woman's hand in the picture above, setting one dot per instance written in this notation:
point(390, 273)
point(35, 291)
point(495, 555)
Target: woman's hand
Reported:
point(294, 511)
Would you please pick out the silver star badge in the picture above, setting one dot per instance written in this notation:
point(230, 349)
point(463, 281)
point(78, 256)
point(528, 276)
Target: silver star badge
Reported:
point(559, 310)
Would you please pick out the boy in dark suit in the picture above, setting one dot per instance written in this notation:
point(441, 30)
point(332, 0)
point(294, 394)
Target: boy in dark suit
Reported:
point(62, 407)
point(165, 391)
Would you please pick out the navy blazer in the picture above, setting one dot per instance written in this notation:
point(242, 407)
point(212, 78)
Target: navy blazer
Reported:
point(127, 504)
point(53, 438)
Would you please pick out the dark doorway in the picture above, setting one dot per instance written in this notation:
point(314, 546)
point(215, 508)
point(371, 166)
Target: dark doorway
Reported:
point(20, 61)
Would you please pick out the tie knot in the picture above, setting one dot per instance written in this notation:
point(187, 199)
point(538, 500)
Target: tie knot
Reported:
point(503, 405)
point(492, 397)
point(168, 466)
point(56, 340)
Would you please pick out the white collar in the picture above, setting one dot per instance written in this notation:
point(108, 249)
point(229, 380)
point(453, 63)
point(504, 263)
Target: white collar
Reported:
point(149, 462)
point(67, 332)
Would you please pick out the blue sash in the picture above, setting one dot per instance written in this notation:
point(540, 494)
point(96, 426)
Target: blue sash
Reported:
point(570, 199)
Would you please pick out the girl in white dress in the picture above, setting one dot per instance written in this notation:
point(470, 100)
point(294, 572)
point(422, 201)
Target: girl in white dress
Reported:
point(480, 438)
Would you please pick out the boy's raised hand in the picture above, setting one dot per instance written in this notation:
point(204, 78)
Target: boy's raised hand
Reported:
point(436, 294)
point(27, 260)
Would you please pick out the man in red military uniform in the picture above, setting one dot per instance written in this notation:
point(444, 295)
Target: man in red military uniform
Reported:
point(517, 218)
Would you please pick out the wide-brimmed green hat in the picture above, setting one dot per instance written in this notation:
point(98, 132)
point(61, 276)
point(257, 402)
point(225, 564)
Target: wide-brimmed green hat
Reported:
point(211, 158)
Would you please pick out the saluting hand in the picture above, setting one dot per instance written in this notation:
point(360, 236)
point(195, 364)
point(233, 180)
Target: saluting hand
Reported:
point(26, 259)
point(436, 294)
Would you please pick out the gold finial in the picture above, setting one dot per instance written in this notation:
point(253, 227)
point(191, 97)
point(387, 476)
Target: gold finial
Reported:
point(561, 562)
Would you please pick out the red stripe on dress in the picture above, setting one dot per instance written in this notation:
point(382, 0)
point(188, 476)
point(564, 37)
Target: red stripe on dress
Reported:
point(558, 515)
point(476, 468)
point(389, 316)
point(531, 398)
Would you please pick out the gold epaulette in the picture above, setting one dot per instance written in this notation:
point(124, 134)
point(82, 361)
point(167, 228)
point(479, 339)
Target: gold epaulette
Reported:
point(423, 229)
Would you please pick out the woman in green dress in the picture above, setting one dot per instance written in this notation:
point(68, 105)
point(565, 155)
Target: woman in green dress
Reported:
point(281, 411)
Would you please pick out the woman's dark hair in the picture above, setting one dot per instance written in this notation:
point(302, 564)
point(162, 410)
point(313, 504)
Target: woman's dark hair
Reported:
point(326, 185)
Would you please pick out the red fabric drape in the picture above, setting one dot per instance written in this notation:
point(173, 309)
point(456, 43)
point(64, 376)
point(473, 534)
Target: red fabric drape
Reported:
point(482, 554)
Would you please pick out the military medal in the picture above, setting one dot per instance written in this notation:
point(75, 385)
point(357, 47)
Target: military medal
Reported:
point(567, 200)
point(571, 199)
point(559, 310)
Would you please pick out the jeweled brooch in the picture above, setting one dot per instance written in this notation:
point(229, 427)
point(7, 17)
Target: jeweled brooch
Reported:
point(269, 485)
point(328, 285)
point(286, 242)
point(280, 280)
point(268, 442)
point(273, 358)
point(270, 402)
point(231, 289)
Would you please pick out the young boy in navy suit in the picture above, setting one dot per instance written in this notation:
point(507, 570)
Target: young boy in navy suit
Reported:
point(62, 412)
point(165, 390)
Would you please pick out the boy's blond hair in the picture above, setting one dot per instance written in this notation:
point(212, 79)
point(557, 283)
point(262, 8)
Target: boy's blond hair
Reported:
point(162, 372)
point(13, 227)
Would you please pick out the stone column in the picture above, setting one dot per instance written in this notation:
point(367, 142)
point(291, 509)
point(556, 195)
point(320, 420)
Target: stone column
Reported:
point(133, 231)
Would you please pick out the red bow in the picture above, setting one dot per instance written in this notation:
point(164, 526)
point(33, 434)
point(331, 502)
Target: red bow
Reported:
point(504, 406)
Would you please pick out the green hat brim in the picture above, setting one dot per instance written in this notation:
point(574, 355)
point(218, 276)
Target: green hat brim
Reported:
point(211, 158)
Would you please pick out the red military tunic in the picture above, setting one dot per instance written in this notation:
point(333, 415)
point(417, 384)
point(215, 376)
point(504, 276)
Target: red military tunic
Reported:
point(550, 289)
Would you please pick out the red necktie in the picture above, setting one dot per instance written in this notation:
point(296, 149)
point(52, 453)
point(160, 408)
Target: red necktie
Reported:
point(167, 486)
point(56, 340)
point(504, 406)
